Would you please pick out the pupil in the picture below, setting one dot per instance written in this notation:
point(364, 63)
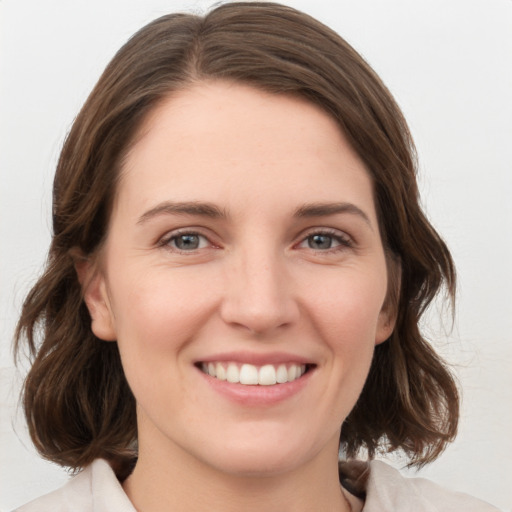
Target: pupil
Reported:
point(187, 242)
point(320, 242)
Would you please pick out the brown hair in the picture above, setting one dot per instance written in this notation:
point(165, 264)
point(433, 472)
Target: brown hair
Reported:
point(77, 402)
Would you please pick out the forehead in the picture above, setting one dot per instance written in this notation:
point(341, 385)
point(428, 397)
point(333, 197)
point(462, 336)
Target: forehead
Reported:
point(228, 138)
point(206, 108)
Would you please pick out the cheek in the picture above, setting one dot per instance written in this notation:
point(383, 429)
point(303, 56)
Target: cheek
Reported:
point(158, 312)
point(348, 305)
point(345, 314)
point(155, 317)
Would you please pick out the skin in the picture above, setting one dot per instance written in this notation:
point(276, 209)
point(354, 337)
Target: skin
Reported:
point(258, 283)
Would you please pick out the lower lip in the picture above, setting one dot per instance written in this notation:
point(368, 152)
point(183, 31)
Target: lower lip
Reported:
point(257, 395)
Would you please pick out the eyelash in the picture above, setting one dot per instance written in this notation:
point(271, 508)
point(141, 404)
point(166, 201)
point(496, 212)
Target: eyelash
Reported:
point(344, 241)
point(167, 240)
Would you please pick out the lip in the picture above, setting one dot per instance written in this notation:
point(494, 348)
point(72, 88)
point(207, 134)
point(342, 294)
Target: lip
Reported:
point(256, 359)
point(252, 396)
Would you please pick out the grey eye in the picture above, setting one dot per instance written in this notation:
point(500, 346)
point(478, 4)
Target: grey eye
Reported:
point(187, 242)
point(320, 241)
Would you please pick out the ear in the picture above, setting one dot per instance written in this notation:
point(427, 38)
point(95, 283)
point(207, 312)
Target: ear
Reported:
point(96, 297)
point(385, 326)
point(389, 312)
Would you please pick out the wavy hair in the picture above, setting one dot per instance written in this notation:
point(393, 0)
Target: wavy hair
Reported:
point(77, 402)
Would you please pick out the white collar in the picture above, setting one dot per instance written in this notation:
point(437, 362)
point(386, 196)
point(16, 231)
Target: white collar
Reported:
point(96, 489)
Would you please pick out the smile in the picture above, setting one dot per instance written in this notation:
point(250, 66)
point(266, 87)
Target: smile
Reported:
point(251, 375)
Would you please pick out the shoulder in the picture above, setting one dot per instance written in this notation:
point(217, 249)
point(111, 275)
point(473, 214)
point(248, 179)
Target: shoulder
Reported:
point(388, 490)
point(96, 489)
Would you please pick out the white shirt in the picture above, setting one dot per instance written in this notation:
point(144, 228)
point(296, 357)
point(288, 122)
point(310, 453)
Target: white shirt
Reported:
point(96, 489)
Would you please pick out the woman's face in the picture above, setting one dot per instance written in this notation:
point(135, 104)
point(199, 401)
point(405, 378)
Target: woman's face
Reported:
point(243, 243)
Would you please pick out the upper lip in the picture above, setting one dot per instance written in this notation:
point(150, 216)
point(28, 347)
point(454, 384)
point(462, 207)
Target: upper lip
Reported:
point(256, 359)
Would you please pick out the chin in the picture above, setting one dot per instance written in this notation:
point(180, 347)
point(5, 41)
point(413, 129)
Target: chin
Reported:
point(266, 457)
point(257, 463)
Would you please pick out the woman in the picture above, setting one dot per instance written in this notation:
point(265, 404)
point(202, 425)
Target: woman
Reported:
point(237, 272)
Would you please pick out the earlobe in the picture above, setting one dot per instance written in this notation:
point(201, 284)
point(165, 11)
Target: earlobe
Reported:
point(385, 327)
point(389, 312)
point(97, 300)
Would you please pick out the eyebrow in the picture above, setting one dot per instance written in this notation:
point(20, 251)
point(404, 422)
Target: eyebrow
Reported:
point(325, 209)
point(183, 208)
point(209, 210)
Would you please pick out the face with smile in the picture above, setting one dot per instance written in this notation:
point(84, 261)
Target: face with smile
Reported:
point(244, 279)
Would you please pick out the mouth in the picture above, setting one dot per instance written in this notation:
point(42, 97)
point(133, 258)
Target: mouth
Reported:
point(252, 375)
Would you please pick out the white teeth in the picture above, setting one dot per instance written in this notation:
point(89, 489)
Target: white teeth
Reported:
point(250, 375)
point(267, 375)
point(282, 374)
point(220, 372)
point(233, 374)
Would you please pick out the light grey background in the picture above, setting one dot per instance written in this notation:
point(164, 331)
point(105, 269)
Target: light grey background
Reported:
point(449, 64)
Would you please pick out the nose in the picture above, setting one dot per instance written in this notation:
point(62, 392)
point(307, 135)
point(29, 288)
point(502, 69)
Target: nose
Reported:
point(259, 294)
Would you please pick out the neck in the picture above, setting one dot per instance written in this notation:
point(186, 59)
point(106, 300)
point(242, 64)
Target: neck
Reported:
point(174, 480)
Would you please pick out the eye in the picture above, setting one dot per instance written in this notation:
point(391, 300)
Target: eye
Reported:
point(186, 241)
point(326, 240)
point(320, 241)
